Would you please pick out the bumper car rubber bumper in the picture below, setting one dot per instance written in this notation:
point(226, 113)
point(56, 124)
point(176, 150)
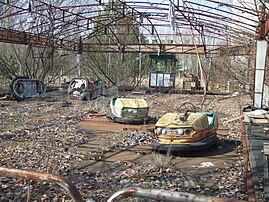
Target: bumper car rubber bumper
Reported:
point(207, 143)
point(127, 120)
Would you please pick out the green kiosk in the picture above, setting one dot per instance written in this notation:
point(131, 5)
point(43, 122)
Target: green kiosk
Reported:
point(163, 72)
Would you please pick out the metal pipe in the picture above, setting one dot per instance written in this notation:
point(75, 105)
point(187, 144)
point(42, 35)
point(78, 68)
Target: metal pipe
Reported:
point(249, 180)
point(165, 195)
point(38, 176)
point(78, 64)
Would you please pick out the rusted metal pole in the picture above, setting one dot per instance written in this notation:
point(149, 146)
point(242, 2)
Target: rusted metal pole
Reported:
point(165, 195)
point(38, 176)
point(249, 180)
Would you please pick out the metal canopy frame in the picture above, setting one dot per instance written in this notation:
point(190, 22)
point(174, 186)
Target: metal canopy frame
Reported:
point(216, 24)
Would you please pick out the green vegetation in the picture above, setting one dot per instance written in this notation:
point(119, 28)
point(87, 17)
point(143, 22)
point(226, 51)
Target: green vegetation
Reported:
point(116, 68)
point(9, 120)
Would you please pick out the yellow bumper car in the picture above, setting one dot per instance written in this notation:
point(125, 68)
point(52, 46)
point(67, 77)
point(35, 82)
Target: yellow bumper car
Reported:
point(184, 132)
point(129, 110)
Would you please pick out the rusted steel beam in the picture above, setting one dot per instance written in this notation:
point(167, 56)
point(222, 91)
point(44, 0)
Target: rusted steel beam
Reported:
point(264, 29)
point(249, 180)
point(164, 195)
point(224, 11)
point(24, 38)
point(144, 48)
point(240, 8)
point(135, 6)
point(264, 24)
point(38, 176)
point(13, 36)
point(17, 37)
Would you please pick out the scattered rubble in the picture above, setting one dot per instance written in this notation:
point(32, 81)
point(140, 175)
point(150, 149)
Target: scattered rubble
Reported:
point(44, 136)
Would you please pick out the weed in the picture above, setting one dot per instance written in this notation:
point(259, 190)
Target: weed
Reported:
point(84, 158)
point(215, 189)
point(161, 162)
point(139, 177)
point(97, 156)
point(23, 140)
point(10, 120)
point(201, 185)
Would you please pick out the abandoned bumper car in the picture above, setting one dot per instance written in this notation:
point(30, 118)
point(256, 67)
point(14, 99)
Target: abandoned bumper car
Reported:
point(186, 132)
point(129, 110)
point(24, 88)
point(80, 88)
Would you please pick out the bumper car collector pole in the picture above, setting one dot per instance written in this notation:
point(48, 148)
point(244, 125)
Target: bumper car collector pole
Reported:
point(79, 53)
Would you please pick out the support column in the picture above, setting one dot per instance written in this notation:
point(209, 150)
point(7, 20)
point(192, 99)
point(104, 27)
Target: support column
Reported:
point(78, 64)
point(79, 54)
point(261, 50)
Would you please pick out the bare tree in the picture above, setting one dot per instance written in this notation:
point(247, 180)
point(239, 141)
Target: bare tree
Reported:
point(48, 21)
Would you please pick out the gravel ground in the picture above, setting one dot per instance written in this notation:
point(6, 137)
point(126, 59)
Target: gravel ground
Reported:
point(44, 136)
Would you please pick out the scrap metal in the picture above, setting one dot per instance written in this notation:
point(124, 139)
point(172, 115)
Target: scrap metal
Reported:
point(44, 177)
point(165, 195)
point(155, 194)
point(221, 21)
point(248, 174)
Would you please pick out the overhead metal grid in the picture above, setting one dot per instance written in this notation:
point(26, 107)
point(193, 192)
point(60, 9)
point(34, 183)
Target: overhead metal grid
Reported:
point(79, 24)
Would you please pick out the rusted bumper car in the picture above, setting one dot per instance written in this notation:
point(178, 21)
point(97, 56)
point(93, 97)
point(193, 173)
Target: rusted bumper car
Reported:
point(129, 110)
point(24, 88)
point(80, 89)
point(186, 132)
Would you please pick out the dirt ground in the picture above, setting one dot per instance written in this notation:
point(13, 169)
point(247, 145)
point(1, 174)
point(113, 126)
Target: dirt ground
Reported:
point(77, 141)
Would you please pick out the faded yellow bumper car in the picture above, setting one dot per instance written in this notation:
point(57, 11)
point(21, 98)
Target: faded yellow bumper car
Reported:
point(129, 110)
point(189, 131)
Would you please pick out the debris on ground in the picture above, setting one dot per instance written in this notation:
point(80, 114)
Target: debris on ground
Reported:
point(45, 137)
